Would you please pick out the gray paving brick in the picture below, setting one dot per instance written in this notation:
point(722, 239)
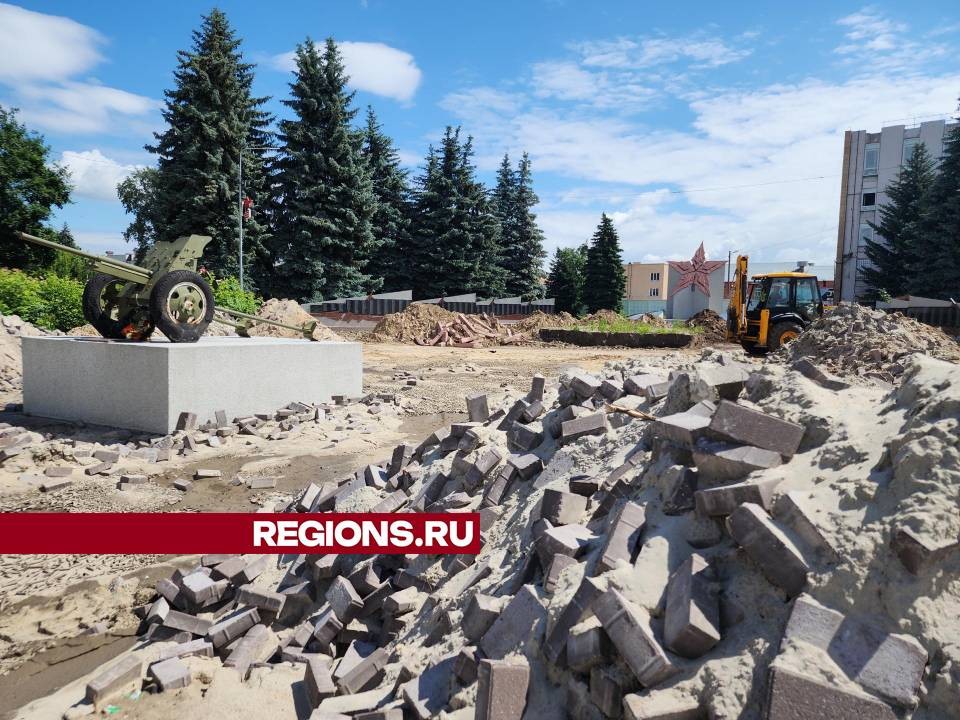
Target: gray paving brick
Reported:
point(746, 426)
point(792, 696)
point(562, 508)
point(170, 674)
point(523, 618)
point(116, 679)
point(628, 628)
point(725, 499)
point(692, 625)
point(623, 536)
point(502, 689)
point(888, 665)
point(777, 557)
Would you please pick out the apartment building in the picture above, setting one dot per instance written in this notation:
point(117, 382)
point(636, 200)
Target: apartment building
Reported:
point(871, 161)
point(646, 289)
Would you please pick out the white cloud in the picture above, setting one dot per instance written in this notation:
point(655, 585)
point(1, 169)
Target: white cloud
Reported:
point(94, 175)
point(758, 170)
point(372, 67)
point(34, 46)
point(568, 81)
point(40, 58)
point(874, 41)
point(645, 52)
point(81, 107)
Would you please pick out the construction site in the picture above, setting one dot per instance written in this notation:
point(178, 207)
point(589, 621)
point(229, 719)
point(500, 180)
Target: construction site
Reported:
point(666, 533)
point(479, 361)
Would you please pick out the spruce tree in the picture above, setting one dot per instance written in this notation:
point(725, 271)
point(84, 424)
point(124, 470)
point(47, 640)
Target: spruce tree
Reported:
point(566, 279)
point(30, 187)
point(605, 281)
point(455, 234)
point(935, 269)
point(324, 234)
point(391, 213)
point(521, 241)
point(483, 228)
point(892, 249)
point(212, 117)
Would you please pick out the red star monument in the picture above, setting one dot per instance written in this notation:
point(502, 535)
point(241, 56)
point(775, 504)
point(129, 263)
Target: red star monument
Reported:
point(694, 273)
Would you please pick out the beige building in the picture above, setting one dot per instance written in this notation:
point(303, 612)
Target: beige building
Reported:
point(646, 281)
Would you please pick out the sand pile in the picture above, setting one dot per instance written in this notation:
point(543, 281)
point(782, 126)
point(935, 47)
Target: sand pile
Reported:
point(289, 312)
point(413, 322)
point(714, 326)
point(725, 544)
point(855, 341)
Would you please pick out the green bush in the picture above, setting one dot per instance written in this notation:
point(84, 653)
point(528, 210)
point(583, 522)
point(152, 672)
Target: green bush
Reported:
point(50, 302)
point(227, 293)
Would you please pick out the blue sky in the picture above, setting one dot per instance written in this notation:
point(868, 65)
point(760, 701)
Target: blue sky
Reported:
point(713, 122)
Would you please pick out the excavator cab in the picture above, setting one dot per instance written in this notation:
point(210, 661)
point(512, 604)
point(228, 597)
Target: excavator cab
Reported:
point(772, 309)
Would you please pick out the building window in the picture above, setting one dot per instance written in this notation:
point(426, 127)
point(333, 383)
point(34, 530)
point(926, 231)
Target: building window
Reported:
point(908, 145)
point(654, 276)
point(869, 200)
point(866, 235)
point(871, 159)
point(655, 292)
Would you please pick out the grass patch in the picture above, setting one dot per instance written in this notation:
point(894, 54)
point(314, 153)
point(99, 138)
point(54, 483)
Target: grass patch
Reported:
point(625, 325)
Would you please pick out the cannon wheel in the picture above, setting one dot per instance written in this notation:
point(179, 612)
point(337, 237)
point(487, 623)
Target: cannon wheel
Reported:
point(181, 305)
point(100, 309)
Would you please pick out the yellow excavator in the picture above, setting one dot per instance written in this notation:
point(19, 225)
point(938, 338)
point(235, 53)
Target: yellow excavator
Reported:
point(768, 311)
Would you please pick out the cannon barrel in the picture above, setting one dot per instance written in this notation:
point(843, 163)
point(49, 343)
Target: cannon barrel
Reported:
point(103, 264)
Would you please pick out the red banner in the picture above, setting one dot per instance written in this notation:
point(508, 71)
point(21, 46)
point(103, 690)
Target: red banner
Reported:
point(238, 533)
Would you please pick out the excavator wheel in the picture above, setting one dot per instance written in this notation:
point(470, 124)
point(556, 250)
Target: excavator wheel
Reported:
point(782, 333)
point(101, 309)
point(181, 305)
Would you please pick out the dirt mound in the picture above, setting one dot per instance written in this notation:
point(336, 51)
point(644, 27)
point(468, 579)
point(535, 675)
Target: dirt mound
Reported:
point(12, 328)
point(535, 322)
point(289, 312)
point(413, 322)
point(87, 330)
point(714, 326)
point(854, 340)
point(608, 316)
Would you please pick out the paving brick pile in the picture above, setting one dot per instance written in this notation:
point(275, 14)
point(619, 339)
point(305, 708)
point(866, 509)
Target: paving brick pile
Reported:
point(702, 542)
point(859, 342)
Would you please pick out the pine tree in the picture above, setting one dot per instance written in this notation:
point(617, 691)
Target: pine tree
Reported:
point(325, 237)
point(935, 269)
point(455, 234)
point(566, 279)
point(521, 241)
point(605, 279)
point(30, 187)
point(892, 249)
point(391, 213)
point(212, 117)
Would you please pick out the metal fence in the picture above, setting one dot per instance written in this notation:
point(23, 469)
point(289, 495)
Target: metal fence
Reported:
point(376, 305)
point(942, 316)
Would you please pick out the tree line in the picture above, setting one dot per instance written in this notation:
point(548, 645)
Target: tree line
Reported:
point(590, 277)
point(915, 249)
point(334, 212)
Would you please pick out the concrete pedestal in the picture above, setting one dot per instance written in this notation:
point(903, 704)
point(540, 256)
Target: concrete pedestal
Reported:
point(145, 386)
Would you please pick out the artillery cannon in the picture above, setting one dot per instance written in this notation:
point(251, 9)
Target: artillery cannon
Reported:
point(124, 301)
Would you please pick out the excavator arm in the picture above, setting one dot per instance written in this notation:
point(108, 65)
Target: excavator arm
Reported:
point(737, 310)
